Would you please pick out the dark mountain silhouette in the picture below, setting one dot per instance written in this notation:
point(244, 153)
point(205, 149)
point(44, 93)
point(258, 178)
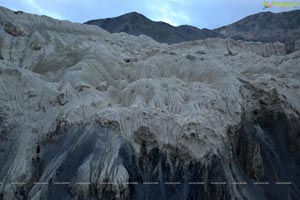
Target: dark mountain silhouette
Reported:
point(266, 27)
point(262, 27)
point(137, 24)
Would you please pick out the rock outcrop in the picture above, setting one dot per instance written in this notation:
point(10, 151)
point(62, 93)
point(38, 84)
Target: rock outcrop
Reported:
point(94, 115)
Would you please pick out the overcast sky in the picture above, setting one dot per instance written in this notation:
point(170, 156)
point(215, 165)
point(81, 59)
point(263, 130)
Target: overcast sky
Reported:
point(200, 13)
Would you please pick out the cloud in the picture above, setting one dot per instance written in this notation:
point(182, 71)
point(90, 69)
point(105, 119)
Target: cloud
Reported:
point(31, 6)
point(167, 12)
point(38, 9)
point(203, 14)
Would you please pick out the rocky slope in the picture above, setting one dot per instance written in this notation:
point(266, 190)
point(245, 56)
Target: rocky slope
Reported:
point(266, 27)
point(137, 24)
point(261, 27)
point(85, 114)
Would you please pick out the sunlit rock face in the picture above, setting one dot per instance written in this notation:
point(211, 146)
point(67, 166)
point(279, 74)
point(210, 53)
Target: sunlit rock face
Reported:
point(85, 114)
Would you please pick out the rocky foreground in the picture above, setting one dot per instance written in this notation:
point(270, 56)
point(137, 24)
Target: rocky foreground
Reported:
point(85, 114)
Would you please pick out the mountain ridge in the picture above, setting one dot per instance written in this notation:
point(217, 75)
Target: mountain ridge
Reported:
point(266, 27)
point(137, 24)
point(261, 27)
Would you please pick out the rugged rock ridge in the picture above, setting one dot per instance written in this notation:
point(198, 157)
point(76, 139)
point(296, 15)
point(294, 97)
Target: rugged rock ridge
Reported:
point(266, 27)
point(261, 27)
point(137, 24)
point(85, 114)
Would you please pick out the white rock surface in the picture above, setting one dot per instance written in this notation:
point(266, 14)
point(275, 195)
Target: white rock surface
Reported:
point(67, 87)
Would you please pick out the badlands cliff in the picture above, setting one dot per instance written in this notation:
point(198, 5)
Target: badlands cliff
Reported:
point(85, 114)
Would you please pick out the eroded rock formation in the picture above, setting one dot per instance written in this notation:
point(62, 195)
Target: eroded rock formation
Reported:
point(184, 121)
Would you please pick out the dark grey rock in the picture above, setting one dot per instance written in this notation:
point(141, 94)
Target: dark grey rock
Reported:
point(13, 30)
point(137, 24)
point(266, 27)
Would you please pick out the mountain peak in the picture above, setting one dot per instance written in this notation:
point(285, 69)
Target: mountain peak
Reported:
point(137, 24)
point(263, 27)
point(134, 13)
point(266, 27)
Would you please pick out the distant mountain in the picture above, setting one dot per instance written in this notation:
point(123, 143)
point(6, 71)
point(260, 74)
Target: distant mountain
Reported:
point(266, 27)
point(137, 24)
point(263, 27)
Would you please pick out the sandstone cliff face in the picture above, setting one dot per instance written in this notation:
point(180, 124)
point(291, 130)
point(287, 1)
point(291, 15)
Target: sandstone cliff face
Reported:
point(85, 114)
